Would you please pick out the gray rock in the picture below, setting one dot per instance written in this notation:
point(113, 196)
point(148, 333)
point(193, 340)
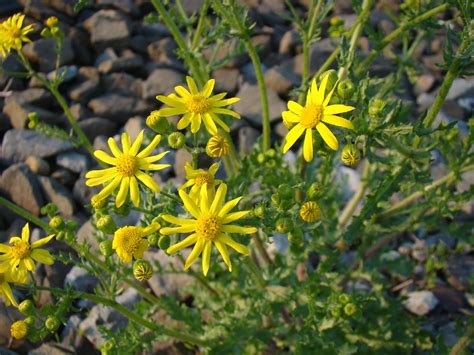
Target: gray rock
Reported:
point(250, 106)
point(228, 52)
point(349, 178)
point(161, 82)
point(97, 126)
point(83, 193)
point(420, 302)
point(126, 6)
point(162, 51)
point(67, 73)
point(289, 41)
point(446, 239)
point(38, 165)
point(424, 83)
point(80, 279)
point(281, 79)
point(43, 52)
point(64, 177)
point(459, 87)
point(21, 186)
point(70, 336)
point(129, 61)
point(73, 161)
point(108, 28)
point(86, 233)
point(123, 83)
point(459, 269)
point(247, 138)
point(19, 144)
point(118, 107)
point(182, 156)
point(227, 80)
point(56, 193)
point(52, 349)
point(133, 126)
point(83, 91)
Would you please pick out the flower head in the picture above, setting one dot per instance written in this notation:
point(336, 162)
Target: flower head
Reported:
point(315, 114)
point(127, 169)
point(130, 241)
point(217, 147)
point(198, 178)
point(19, 329)
point(197, 106)
point(12, 35)
point(310, 211)
point(19, 257)
point(142, 270)
point(6, 290)
point(210, 224)
point(350, 155)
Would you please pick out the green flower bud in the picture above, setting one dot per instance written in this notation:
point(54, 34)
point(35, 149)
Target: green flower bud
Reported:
point(345, 89)
point(336, 312)
point(60, 235)
point(271, 153)
point(108, 345)
point(283, 225)
point(259, 211)
point(105, 248)
point(176, 140)
point(276, 199)
point(261, 158)
point(350, 155)
point(343, 298)
point(332, 79)
point(30, 320)
point(52, 323)
point(106, 224)
point(153, 239)
point(56, 222)
point(142, 270)
point(164, 242)
point(350, 309)
point(315, 191)
point(158, 123)
point(285, 191)
point(27, 308)
point(376, 107)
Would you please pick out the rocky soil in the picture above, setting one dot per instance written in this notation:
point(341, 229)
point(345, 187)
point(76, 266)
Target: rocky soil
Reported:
point(115, 65)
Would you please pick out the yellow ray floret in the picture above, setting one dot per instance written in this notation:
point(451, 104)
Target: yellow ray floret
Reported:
point(12, 35)
point(19, 257)
point(210, 223)
point(198, 106)
point(127, 169)
point(6, 290)
point(315, 114)
point(198, 177)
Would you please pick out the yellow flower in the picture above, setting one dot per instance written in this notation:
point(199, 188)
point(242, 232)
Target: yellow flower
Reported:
point(6, 290)
point(128, 166)
point(209, 225)
point(197, 106)
point(310, 211)
point(315, 114)
point(19, 329)
point(52, 21)
point(217, 147)
point(12, 35)
point(199, 177)
point(19, 257)
point(130, 241)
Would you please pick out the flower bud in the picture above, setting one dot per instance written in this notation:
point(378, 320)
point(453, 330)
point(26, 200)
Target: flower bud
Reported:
point(56, 222)
point(341, 245)
point(259, 211)
point(60, 235)
point(52, 323)
point(217, 147)
point(336, 312)
point(105, 248)
point(283, 225)
point(350, 309)
point(153, 239)
point(343, 298)
point(285, 191)
point(27, 308)
point(376, 107)
point(106, 224)
point(164, 242)
point(345, 89)
point(335, 21)
point(176, 140)
point(315, 191)
point(19, 329)
point(350, 155)
point(52, 21)
point(142, 270)
point(276, 199)
point(97, 202)
point(271, 153)
point(30, 320)
point(33, 120)
point(310, 212)
point(261, 158)
point(332, 79)
point(158, 123)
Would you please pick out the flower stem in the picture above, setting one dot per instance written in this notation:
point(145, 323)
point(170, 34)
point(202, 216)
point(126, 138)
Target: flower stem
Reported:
point(200, 279)
point(253, 268)
point(261, 249)
point(24, 213)
point(352, 204)
point(202, 17)
point(396, 34)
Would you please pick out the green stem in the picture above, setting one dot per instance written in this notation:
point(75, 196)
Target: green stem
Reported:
point(352, 204)
point(200, 279)
point(261, 249)
point(250, 265)
point(202, 18)
point(448, 179)
point(25, 214)
point(396, 34)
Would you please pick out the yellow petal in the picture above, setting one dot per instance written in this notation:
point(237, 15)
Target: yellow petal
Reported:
point(176, 220)
point(122, 194)
point(100, 173)
point(148, 181)
point(100, 180)
point(137, 144)
point(194, 253)
point(4, 248)
point(182, 244)
point(29, 264)
point(207, 89)
point(195, 122)
point(210, 125)
point(226, 102)
point(230, 228)
point(184, 121)
point(328, 97)
point(7, 292)
point(218, 199)
point(101, 155)
point(114, 148)
point(192, 85)
point(189, 204)
point(125, 143)
point(204, 199)
point(338, 121)
point(25, 233)
point(106, 191)
point(42, 241)
point(134, 191)
point(290, 116)
point(206, 257)
point(171, 111)
point(153, 158)
point(308, 145)
point(240, 248)
point(292, 136)
point(224, 253)
point(295, 107)
point(224, 111)
point(336, 109)
point(176, 230)
point(150, 147)
point(42, 256)
point(182, 91)
point(328, 136)
point(219, 122)
point(314, 92)
point(170, 101)
point(229, 206)
point(231, 217)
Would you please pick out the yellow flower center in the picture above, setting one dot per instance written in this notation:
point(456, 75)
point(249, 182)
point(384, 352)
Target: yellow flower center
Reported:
point(204, 178)
point(311, 115)
point(129, 238)
point(208, 227)
point(127, 165)
point(198, 104)
point(20, 249)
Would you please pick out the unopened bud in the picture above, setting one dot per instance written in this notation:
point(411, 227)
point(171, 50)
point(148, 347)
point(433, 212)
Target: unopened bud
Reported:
point(176, 140)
